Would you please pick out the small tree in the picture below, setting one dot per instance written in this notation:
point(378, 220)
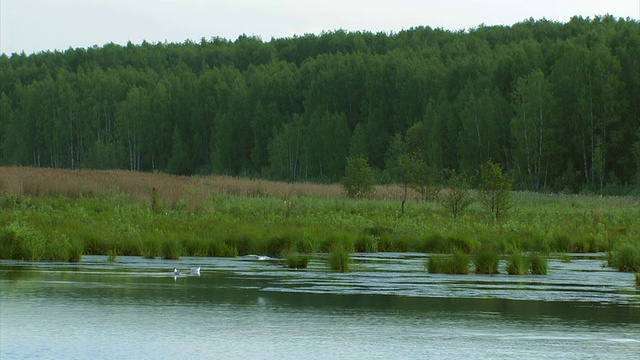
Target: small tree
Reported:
point(358, 178)
point(457, 196)
point(495, 189)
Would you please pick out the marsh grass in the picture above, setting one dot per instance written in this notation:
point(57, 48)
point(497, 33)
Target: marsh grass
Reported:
point(295, 260)
point(625, 257)
point(637, 277)
point(517, 264)
point(486, 262)
point(339, 259)
point(538, 265)
point(112, 256)
point(171, 249)
point(436, 264)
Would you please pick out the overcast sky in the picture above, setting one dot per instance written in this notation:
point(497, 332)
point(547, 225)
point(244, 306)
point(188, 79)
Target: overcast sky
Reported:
point(37, 25)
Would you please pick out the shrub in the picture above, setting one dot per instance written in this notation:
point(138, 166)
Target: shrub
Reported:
point(112, 255)
point(495, 189)
point(358, 179)
point(457, 197)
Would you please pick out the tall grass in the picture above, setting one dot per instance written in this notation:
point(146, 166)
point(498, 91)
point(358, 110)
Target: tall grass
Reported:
point(486, 262)
point(517, 264)
point(339, 259)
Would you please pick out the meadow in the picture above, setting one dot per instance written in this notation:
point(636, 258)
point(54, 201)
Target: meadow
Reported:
point(49, 214)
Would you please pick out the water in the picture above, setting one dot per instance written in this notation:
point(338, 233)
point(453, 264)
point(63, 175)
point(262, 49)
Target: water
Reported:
point(243, 308)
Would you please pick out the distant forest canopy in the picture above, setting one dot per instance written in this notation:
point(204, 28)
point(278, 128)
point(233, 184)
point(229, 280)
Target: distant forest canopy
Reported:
point(557, 104)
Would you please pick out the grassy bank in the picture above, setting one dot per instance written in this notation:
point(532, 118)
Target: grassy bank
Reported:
point(58, 214)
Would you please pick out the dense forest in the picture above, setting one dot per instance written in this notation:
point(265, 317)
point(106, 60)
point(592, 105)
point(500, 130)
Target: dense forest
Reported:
point(557, 104)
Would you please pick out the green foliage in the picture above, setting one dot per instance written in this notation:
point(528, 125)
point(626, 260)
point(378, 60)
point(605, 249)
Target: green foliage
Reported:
point(538, 265)
point(295, 260)
point(517, 264)
point(625, 257)
point(456, 263)
point(495, 189)
point(486, 262)
point(358, 178)
point(339, 259)
point(112, 255)
point(457, 196)
point(436, 264)
point(171, 249)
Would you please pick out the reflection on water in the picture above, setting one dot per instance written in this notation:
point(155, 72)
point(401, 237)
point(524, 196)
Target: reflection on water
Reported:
point(245, 308)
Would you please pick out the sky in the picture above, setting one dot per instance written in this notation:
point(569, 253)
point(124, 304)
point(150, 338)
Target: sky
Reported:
point(41, 25)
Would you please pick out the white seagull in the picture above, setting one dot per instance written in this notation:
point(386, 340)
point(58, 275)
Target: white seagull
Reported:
point(176, 272)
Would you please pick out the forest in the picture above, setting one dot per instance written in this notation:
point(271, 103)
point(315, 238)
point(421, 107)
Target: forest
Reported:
point(557, 105)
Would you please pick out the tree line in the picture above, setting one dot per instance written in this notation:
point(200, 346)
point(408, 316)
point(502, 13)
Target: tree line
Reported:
point(557, 105)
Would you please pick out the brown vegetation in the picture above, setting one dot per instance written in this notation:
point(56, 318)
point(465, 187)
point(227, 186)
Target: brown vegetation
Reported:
point(29, 181)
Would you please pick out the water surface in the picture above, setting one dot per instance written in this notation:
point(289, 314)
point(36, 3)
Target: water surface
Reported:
point(242, 308)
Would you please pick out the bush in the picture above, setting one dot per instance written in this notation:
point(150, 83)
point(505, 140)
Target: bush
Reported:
point(457, 196)
point(367, 244)
point(358, 179)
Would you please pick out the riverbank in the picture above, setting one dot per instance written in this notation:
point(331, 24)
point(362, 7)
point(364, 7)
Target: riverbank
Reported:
point(62, 214)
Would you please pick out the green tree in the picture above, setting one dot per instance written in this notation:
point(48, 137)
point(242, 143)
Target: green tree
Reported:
point(358, 179)
point(457, 195)
point(495, 189)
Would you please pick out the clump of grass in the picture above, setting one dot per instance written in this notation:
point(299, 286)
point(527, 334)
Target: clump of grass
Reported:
point(339, 259)
point(112, 255)
point(538, 265)
point(486, 262)
point(59, 248)
point(76, 251)
point(565, 258)
point(436, 264)
point(171, 249)
point(296, 261)
point(517, 264)
point(625, 257)
point(637, 276)
point(367, 244)
point(150, 248)
point(459, 263)
point(456, 263)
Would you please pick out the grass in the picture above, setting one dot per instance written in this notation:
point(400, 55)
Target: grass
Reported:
point(517, 264)
point(57, 214)
point(295, 260)
point(538, 265)
point(339, 259)
point(456, 263)
point(486, 262)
